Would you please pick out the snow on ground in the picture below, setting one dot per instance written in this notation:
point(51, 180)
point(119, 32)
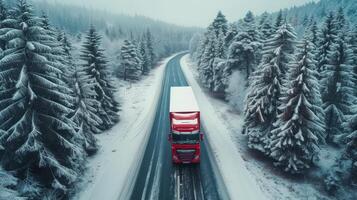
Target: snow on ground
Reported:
point(112, 171)
point(239, 165)
point(239, 182)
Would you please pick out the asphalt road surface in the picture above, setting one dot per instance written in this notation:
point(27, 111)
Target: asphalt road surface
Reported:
point(158, 177)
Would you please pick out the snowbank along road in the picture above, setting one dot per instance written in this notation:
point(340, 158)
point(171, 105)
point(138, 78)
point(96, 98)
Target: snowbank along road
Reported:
point(158, 177)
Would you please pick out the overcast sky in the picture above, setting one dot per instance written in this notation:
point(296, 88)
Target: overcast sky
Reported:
point(187, 12)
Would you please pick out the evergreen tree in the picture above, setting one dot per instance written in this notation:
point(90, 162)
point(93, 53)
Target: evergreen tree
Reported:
point(149, 40)
point(130, 61)
point(313, 31)
point(279, 21)
point(144, 57)
point(305, 21)
point(207, 60)
point(36, 133)
point(84, 106)
point(231, 33)
point(220, 50)
point(220, 24)
point(3, 16)
point(242, 55)
point(203, 44)
point(353, 43)
point(341, 23)
point(327, 37)
point(337, 91)
point(351, 148)
point(265, 88)
point(218, 64)
point(218, 80)
point(244, 52)
point(299, 127)
point(95, 66)
point(265, 28)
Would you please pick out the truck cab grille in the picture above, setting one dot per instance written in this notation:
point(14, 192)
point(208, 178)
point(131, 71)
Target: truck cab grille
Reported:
point(186, 155)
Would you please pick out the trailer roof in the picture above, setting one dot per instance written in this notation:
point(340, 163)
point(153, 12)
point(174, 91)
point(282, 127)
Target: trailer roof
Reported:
point(182, 99)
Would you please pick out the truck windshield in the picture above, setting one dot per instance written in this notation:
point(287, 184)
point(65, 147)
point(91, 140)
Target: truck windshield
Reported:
point(185, 138)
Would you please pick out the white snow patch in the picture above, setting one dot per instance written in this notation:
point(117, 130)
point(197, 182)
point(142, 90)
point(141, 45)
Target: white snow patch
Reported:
point(113, 170)
point(239, 183)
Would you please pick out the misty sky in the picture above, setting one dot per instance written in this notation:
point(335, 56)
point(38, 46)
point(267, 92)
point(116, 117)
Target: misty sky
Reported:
point(187, 12)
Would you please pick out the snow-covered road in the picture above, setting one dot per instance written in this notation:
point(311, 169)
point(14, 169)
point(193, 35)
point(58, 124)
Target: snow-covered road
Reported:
point(158, 178)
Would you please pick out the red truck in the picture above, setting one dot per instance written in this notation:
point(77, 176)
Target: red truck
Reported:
point(185, 135)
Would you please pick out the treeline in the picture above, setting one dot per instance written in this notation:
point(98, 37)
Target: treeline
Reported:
point(301, 93)
point(75, 20)
point(50, 105)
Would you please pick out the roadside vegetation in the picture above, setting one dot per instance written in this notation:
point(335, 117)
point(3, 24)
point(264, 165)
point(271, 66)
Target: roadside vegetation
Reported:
point(296, 90)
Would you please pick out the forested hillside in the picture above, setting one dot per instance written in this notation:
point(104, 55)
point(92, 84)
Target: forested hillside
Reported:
point(169, 38)
point(297, 91)
point(299, 16)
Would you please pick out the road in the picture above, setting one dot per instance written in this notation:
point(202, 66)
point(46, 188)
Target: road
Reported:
point(158, 178)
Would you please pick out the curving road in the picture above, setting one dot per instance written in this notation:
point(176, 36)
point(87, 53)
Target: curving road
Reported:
point(158, 178)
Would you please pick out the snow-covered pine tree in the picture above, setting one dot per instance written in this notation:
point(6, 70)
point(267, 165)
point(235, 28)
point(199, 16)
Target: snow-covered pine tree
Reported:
point(36, 133)
point(313, 29)
point(95, 65)
point(55, 44)
point(305, 21)
point(3, 16)
point(130, 61)
point(351, 148)
point(203, 44)
point(249, 26)
point(205, 68)
point(327, 37)
point(279, 21)
point(220, 24)
point(353, 43)
point(149, 41)
point(136, 44)
point(213, 46)
point(337, 86)
point(244, 52)
point(341, 22)
point(299, 127)
point(143, 55)
point(265, 28)
point(242, 55)
point(218, 80)
point(194, 45)
point(220, 50)
point(231, 33)
point(265, 88)
point(85, 114)
point(84, 106)
point(218, 64)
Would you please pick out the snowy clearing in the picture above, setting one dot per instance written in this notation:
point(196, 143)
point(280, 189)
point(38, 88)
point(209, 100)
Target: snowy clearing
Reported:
point(113, 170)
point(272, 182)
point(240, 184)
